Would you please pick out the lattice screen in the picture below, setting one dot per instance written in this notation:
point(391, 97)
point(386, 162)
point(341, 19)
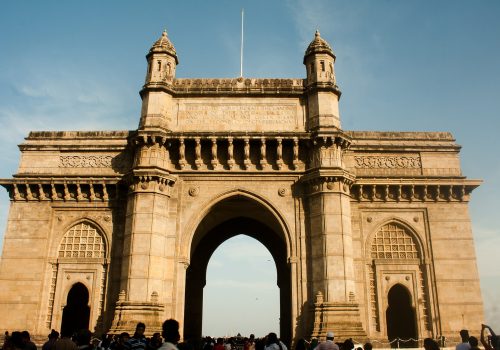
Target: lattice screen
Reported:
point(82, 241)
point(393, 242)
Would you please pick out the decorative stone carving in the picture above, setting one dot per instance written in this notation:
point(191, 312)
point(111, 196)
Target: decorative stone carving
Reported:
point(367, 162)
point(194, 191)
point(412, 192)
point(282, 192)
point(85, 161)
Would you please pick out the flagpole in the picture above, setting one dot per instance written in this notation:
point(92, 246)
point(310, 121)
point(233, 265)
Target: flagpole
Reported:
point(241, 49)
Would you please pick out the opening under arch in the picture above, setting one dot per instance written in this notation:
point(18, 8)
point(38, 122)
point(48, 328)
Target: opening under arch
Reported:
point(231, 217)
point(400, 316)
point(76, 313)
point(241, 295)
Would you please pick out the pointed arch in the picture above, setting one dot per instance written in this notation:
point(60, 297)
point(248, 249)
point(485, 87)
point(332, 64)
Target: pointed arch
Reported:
point(400, 316)
point(195, 221)
point(76, 312)
point(82, 240)
point(401, 226)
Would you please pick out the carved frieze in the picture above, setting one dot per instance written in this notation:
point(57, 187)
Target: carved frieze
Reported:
point(85, 161)
point(387, 162)
point(119, 161)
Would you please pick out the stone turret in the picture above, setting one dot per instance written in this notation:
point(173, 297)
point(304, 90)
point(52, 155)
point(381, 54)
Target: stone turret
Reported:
point(322, 90)
point(162, 61)
point(157, 91)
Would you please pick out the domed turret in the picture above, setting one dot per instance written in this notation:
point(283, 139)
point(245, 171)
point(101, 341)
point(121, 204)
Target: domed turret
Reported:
point(319, 60)
point(321, 86)
point(158, 89)
point(318, 45)
point(162, 61)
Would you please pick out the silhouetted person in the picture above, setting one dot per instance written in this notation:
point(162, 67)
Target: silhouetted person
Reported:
point(27, 343)
point(65, 342)
point(83, 337)
point(51, 343)
point(348, 344)
point(301, 344)
point(170, 332)
point(328, 344)
point(14, 342)
point(367, 346)
point(474, 343)
point(464, 345)
point(155, 341)
point(430, 344)
point(219, 345)
point(119, 344)
point(273, 343)
point(138, 340)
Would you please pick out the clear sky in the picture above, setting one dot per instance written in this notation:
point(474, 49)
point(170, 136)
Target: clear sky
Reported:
point(402, 65)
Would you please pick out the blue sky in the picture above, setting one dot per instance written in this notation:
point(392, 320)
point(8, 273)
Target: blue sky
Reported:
point(402, 65)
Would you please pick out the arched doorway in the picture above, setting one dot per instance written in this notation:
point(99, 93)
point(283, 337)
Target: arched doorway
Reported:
point(76, 313)
point(228, 218)
point(400, 316)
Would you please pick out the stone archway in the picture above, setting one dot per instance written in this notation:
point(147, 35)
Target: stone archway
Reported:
point(231, 217)
point(76, 313)
point(400, 316)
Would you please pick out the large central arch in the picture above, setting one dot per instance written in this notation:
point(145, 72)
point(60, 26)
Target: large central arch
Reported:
point(237, 214)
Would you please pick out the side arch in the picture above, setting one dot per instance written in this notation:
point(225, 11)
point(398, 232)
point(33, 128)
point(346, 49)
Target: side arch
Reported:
point(80, 252)
point(395, 256)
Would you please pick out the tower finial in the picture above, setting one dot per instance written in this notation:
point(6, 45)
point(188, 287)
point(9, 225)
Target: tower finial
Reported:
point(317, 33)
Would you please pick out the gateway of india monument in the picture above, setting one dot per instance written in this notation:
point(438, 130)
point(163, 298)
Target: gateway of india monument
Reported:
point(369, 231)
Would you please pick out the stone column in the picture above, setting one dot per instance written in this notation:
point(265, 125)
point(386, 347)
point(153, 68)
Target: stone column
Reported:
point(146, 259)
point(331, 250)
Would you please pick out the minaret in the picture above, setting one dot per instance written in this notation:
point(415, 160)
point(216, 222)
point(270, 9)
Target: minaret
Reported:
point(157, 91)
point(321, 88)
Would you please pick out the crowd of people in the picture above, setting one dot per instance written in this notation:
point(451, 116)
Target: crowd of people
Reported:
point(489, 342)
point(83, 340)
point(169, 340)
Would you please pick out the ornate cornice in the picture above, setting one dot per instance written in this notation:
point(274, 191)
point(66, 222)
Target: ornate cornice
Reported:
point(65, 189)
point(413, 190)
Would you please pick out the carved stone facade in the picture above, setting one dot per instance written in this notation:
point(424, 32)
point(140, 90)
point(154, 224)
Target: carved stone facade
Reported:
point(132, 217)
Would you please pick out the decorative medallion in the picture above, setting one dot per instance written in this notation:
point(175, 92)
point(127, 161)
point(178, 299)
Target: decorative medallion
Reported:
point(369, 219)
point(194, 191)
point(282, 192)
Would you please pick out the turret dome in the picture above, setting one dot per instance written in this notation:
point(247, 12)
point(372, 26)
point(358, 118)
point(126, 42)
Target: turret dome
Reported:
point(318, 45)
point(164, 45)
